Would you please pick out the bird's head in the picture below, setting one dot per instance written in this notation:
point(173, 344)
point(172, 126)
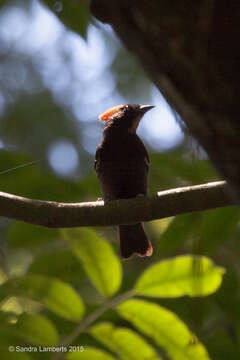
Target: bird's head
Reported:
point(125, 117)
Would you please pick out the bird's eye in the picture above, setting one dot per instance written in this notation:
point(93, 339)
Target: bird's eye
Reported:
point(122, 108)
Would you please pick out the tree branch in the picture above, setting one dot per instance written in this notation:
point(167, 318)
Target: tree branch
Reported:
point(126, 211)
point(189, 51)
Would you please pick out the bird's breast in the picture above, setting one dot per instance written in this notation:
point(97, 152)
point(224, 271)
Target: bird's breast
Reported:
point(122, 174)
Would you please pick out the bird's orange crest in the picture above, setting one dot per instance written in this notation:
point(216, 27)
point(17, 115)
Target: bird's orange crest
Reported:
point(105, 116)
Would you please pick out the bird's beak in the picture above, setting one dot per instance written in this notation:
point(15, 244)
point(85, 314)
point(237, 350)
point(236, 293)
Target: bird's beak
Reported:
point(144, 108)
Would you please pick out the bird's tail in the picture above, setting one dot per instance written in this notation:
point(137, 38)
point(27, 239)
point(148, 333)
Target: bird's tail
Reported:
point(132, 240)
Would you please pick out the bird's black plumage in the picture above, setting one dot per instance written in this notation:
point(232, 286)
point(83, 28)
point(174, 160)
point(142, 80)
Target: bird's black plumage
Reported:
point(121, 163)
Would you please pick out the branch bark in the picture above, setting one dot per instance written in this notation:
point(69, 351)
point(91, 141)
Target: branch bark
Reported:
point(160, 205)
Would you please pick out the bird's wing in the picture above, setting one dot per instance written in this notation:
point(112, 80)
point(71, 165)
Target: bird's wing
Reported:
point(97, 161)
point(144, 152)
point(147, 162)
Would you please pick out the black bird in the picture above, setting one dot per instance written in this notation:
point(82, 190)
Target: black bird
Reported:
point(122, 163)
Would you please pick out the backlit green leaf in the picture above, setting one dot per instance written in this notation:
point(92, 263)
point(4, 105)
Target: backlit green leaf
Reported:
point(56, 295)
point(98, 259)
point(165, 328)
point(126, 343)
point(179, 276)
point(90, 353)
point(36, 329)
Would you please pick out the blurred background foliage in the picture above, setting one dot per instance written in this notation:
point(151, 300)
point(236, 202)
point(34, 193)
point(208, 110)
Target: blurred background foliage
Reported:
point(59, 69)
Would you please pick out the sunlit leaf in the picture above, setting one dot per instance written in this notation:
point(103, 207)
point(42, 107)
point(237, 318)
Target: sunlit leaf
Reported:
point(182, 275)
point(126, 343)
point(98, 259)
point(56, 295)
point(165, 328)
point(36, 329)
point(90, 353)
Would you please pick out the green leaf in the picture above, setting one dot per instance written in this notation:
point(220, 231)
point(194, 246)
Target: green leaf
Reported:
point(18, 262)
point(90, 353)
point(28, 329)
point(56, 295)
point(25, 235)
point(126, 343)
point(36, 329)
point(33, 181)
point(221, 344)
point(183, 226)
point(178, 167)
point(165, 328)
point(51, 265)
point(98, 259)
point(182, 275)
point(8, 338)
point(12, 355)
point(217, 227)
point(72, 13)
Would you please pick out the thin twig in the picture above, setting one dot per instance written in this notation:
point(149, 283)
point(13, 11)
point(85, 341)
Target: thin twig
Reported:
point(85, 323)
